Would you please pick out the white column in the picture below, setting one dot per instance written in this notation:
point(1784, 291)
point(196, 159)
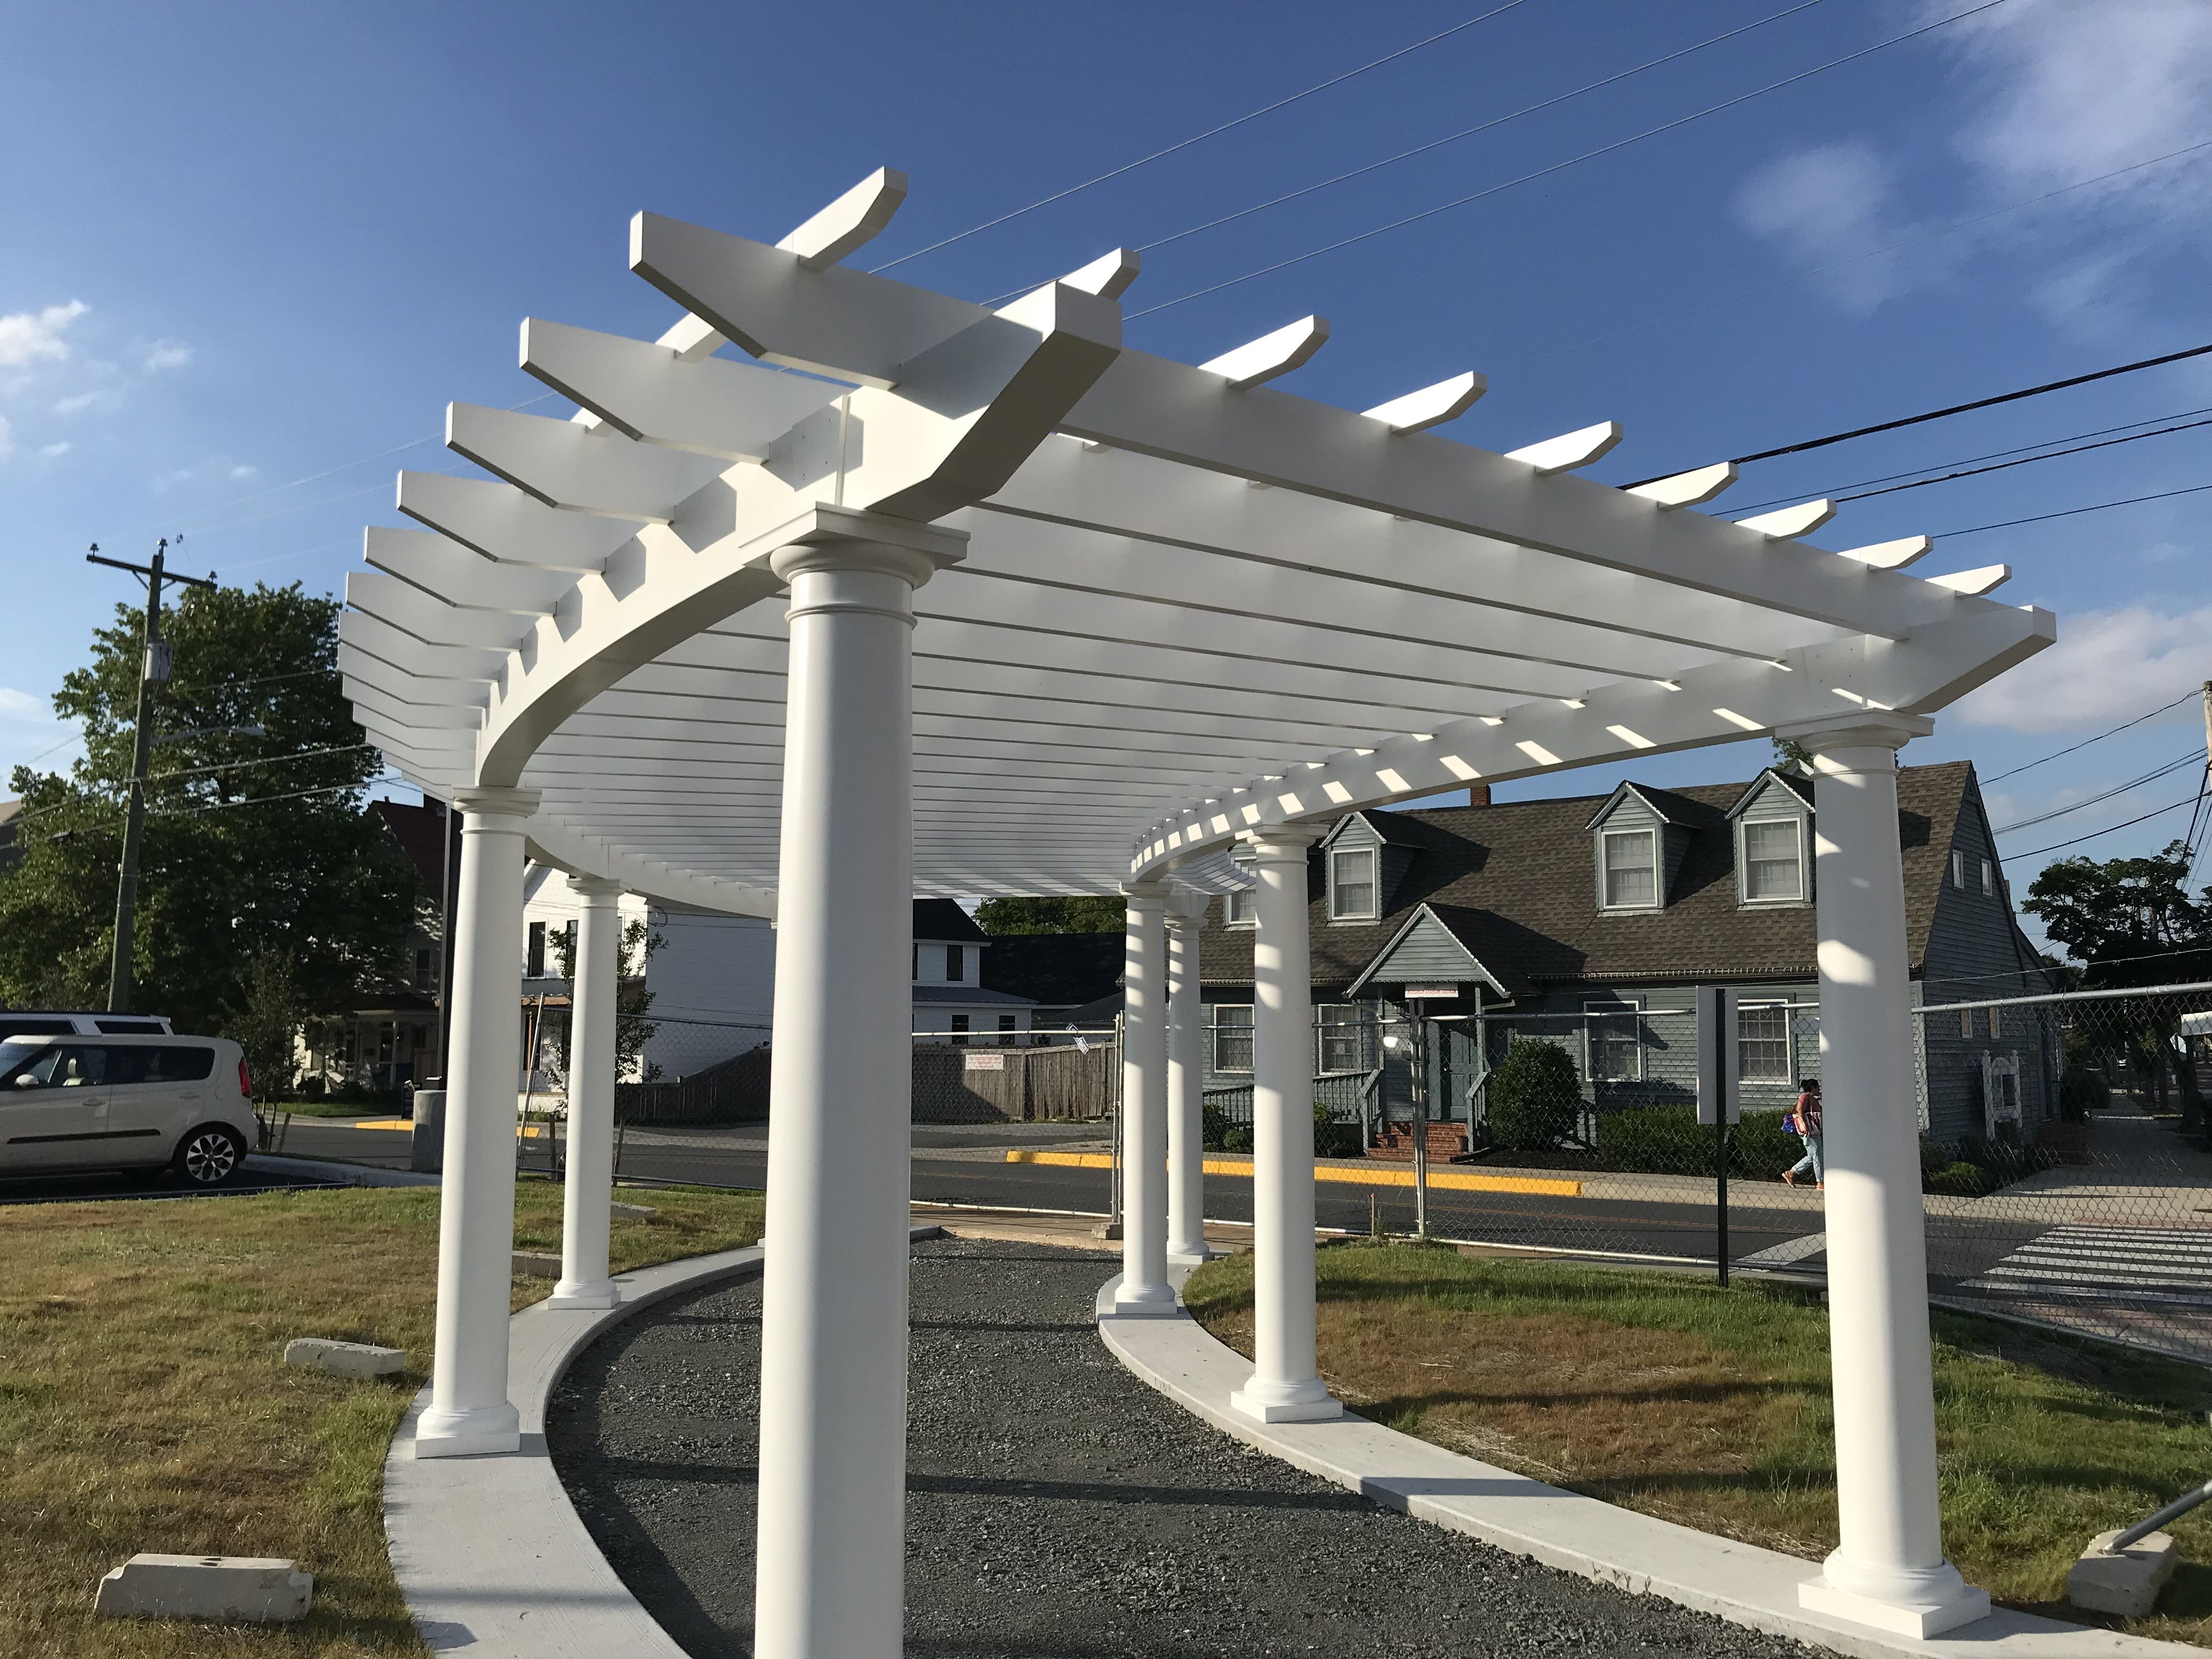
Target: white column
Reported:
point(469, 1411)
point(1145, 1287)
point(831, 1554)
point(1889, 1571)
point(585, 1282)
point(1186, 1083)
point(1284, 1387)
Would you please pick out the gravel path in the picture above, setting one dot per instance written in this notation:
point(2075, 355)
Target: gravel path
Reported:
point(1057, 1505)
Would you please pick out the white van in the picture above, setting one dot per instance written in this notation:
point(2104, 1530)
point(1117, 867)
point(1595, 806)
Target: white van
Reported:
point(43, 1023)
point(123, 1101)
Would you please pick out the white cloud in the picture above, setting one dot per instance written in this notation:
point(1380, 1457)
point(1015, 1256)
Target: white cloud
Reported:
point(52, 452)
point(31, 335)
point(7, 438)
point(167, 354)
point(105, 397)
point(1826, 207)
point(21, 705)
point(245, 472)
point(2108, 666)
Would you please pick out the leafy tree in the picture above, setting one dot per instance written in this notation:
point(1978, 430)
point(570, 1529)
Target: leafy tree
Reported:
point(1790, 756)
point(255, 847)
point(633, 1002)
point(1535, 1097)
point(1049, 915)
point(2132, 922)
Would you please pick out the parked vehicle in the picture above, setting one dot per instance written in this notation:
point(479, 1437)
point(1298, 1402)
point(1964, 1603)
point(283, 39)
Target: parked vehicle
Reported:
point(49, 1023)
point(120, 1101)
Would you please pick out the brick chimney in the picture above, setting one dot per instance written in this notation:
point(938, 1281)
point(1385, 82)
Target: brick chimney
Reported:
point(1478, 794)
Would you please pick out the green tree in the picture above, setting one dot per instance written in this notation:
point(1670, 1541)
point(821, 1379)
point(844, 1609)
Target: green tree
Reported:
point(633, 1028)
point(2132, 922)
point(256, 848)
point(1049, 915)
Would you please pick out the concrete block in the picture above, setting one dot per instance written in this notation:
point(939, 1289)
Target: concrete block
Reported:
point(345, 1358)
point(536, 1264)
point(2125, 1582)
point(228, 1588)
point(427, 1152)
point(636, 1212)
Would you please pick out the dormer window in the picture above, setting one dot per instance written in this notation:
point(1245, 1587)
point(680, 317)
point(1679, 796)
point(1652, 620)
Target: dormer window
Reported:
point(956, 963)
point(1773, 860)
point(1352, 885)
point(1238, 909)
point(1630, 869)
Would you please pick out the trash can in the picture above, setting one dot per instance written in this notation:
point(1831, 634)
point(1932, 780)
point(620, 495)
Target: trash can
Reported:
point(429, 1150)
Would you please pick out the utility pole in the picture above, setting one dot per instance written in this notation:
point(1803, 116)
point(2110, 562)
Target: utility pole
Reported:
point(153, 671)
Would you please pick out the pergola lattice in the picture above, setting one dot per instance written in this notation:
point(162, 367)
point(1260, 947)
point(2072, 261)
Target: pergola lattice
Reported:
point(1155, 607)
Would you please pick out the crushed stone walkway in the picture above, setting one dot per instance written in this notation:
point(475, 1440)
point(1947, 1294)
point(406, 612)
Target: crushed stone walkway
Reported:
point(1057, 1505)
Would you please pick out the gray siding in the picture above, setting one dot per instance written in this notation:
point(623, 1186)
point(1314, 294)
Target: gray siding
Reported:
point(1428, 955)
point(1774, 798)
point(1631, 812)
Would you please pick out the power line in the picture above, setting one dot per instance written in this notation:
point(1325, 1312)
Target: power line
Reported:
point(266, 760)
point(256, 801)
point(1955, 408)
point(2124, 726)
point(2094, 800)
point(2055, 846)
point(2072, 512)
point(2026, 460)
point(1560, 166)
point(1144, 160)
point(1450, 138)
point(1835, 491)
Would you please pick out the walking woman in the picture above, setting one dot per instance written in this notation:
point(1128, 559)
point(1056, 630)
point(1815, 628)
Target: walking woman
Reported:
point(1805, 1123)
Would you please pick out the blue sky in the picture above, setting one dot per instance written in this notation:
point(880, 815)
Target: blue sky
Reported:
point(251, 248)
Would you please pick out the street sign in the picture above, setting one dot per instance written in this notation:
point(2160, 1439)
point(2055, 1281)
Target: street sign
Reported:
point(1719, 1099)
point(984, 1063)
point(1418, 992)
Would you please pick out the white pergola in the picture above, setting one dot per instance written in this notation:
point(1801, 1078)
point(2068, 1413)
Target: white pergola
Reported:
point(927, 597)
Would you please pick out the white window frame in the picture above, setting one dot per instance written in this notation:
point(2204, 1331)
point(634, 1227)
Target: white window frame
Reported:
point(1215, 1027)
point(1337, 912)
point(1623, 1008)
point(1958, 869)
point(1989, 879)
point(1789, 1073)
point(956, 964)
point(1605, 840)
point(1743, 859)
point(1341, 1022)
point(1238, 908)
point(957, 1025)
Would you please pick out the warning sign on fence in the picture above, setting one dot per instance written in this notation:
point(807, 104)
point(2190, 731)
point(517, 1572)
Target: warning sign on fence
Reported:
point(983, 1063)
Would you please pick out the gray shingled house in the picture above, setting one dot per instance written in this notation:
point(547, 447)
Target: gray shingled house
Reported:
point(1588, 921)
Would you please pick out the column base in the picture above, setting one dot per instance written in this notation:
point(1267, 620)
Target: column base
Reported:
point(1917, 1603)
point(478, 1431)
point(1191, 1258)
point(1157, 1302)
point(591, 1293)
point(1278, 1402)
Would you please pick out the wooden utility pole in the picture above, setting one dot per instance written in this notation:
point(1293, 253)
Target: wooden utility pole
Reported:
point(153, 671)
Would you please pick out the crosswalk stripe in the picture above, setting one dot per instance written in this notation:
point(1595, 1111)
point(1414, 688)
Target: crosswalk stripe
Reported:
point(2154, 1265)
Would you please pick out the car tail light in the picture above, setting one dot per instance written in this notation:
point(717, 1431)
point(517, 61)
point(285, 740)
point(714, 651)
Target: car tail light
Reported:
point(245, 1080)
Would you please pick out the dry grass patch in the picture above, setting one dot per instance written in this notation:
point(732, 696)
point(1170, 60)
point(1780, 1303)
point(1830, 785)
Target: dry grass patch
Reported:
point(1666, 1395)
point(143, 1405)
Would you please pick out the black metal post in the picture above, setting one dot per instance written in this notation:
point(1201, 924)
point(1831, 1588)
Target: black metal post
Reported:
point(1720, 1195)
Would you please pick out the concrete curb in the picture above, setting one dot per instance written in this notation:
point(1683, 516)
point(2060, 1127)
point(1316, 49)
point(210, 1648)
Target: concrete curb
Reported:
point(490, 1554)
point(1740, 1582)
point(324, 1168)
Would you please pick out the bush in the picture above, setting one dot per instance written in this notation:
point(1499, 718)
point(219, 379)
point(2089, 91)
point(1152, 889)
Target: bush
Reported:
point(1335, 1140)
point(1535, 1098)
point(1669, 1140)
point(1960, 1180)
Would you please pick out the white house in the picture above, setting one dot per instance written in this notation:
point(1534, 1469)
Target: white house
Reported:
point(948, 979)
point(712, 976)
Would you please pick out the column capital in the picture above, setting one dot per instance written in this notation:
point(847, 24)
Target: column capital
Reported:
point(1275, 843)
point(1861, 729)
point(482, 803)
point(1186, 908)
point(595, 887)
point(827, 537)
point(1144, 894)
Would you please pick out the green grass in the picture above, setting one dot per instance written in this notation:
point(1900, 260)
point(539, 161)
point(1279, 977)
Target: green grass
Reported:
point(1667, 1394)
point(143, 1405)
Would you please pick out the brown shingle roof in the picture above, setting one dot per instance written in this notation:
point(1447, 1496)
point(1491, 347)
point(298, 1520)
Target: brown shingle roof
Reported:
point(1516, 883)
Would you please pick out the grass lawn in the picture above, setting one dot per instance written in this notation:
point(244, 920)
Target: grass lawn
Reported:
point(143, 1404)
point(1664, 1394)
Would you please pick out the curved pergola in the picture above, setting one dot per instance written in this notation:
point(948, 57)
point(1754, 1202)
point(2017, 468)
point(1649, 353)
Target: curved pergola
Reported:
point(1081, 617)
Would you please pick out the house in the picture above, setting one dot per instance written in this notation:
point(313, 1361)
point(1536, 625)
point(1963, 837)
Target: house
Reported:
point(1587, 922)
point(394, 1037)
point(1065, 975)
point(712, 977)
point(949, 993)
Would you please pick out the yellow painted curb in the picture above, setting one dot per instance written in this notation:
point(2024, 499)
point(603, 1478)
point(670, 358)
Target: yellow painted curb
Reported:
point(1462, 1181)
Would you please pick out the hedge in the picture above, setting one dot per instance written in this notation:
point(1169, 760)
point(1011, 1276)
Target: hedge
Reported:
point(1669, 1140)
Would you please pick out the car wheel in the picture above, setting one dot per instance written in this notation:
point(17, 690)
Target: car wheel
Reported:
point(210, 1155)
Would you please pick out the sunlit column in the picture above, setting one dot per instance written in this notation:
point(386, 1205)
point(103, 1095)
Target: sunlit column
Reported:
point(585, 1280)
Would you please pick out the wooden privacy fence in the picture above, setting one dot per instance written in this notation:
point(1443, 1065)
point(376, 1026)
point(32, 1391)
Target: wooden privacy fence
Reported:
point(950, 1085)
